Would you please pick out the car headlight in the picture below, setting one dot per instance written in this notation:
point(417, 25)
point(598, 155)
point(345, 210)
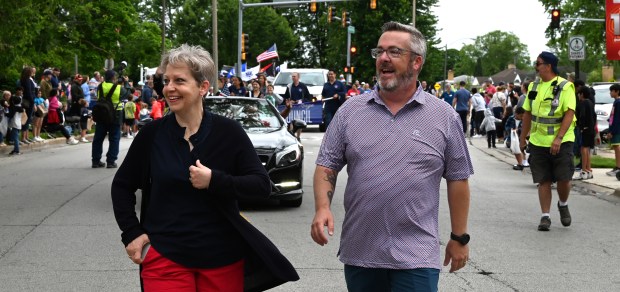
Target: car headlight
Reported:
point(289, 155)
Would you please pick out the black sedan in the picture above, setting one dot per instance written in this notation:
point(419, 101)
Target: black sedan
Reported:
point(279, 151)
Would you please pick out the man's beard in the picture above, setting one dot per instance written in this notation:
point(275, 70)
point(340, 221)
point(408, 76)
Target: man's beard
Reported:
point(401, 80)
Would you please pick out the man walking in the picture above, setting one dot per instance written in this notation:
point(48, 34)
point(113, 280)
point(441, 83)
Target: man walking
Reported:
point(462, 102)
point(297, 91)
point(108, 89)
point(398, 142)
point(550, 121)
point(335, 91)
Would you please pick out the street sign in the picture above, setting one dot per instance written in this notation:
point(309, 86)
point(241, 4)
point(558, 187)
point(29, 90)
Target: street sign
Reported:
point(351, 29)
point(612, 29)
point(437, 86)
point(577, 48)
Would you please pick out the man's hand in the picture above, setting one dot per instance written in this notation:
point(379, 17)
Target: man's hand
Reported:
point(322, 218)
point(457, 254)
point(199, 175)
point(555, 147)
point(134, 249)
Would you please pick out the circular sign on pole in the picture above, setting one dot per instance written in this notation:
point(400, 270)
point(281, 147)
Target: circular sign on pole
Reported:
point(577, 48)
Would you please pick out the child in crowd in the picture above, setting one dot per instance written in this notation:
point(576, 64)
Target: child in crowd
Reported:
point(15, 122)
point(488, 124)
point(4, 119)
point(136, 115)
point(156, 111)
point(586, 120)
point(614, 127)
point(37, 123)
point(54, 119)
point(130, 117)
point(84, 116)
point(513, 124)
point(144, 110)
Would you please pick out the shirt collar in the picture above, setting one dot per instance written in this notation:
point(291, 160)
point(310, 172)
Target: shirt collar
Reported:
point(419, 96)
point(197, 138)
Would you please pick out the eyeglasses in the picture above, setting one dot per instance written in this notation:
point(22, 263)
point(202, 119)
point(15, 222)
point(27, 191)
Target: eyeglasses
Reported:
point(392, 52)
point(536, 64)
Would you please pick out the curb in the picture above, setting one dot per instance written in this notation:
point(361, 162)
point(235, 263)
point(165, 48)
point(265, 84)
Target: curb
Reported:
point(37, 146)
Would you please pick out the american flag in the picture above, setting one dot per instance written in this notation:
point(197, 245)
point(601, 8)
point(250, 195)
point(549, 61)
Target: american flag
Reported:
point(268, 54)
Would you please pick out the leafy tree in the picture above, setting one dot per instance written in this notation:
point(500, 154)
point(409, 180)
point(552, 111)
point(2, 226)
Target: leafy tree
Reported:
point(492, 53)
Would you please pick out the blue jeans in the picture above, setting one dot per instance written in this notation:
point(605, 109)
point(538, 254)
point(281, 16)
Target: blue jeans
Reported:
point(114, 132)
point(15, 138)
point(385, 280)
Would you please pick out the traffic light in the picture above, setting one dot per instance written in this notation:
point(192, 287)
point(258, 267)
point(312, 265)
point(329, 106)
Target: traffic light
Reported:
point(312, 7)
point(245, 46)
point(330, 14)
point(555, 18)
point(352, 69)
point(346, 69)
point(373, 4)
point(353, 50)
point(346, 18)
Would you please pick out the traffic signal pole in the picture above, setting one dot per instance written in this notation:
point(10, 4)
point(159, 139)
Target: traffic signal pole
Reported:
point(349, 55)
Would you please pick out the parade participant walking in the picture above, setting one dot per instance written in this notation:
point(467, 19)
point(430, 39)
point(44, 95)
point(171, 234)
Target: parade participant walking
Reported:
point(193, 166)
point(477, 102)
point(586, 121)
point(108, 89)
point(550, 119)
point(335, 92)
point(297, 91)
point(462, 103)
point(390, 237)
point(448, 94)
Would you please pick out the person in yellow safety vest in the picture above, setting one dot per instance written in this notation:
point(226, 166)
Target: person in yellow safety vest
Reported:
point(549, 119)
point(113, 129)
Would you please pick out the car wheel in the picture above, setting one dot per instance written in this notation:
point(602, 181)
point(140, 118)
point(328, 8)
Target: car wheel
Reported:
point(291, 203)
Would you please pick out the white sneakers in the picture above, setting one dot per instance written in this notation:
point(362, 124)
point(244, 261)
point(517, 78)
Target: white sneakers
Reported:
point(38, 139)
point(72, 141)
point(84, 140)
point(583, 175)
point(613, 171)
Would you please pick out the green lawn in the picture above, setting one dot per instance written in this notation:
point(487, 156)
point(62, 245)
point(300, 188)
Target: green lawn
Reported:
point(600, 162)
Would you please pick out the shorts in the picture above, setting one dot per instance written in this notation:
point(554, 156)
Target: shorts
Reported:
point(547, 167)
point(83, 125)
point(587, 139)
point(130, 122)
point(615, 139)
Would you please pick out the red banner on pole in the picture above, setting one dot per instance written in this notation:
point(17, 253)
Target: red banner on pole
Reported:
point(612, 29)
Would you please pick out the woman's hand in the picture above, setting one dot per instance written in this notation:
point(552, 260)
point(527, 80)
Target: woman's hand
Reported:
point(134, 249)
point(199, 175)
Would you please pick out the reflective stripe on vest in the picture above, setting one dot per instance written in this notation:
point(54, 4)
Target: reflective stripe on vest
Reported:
point(556, 98)
point(555, 103)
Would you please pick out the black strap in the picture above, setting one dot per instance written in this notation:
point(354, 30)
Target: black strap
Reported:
point(109, 95)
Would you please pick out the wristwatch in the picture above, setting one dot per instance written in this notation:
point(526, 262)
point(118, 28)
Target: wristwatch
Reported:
point(463, 239)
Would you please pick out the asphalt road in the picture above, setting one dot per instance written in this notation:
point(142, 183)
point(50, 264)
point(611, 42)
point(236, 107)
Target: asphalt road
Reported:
point(57, 231)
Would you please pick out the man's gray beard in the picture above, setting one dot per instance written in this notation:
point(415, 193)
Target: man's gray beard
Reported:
point(401, 80)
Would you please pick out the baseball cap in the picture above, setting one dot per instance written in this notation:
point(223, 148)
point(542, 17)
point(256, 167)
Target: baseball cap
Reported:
point(550, 59)
point(109, 75)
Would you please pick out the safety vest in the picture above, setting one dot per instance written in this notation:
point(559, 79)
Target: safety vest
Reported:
point(116, 96)
point(547, 115)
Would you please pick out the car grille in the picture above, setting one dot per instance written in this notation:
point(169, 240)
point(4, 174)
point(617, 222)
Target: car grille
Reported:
point(267, 157)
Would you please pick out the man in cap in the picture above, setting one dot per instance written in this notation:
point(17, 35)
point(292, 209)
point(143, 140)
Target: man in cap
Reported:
point(113, 129)
point(549, 119)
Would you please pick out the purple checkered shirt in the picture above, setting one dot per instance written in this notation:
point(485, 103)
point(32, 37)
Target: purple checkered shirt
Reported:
point(395, 164)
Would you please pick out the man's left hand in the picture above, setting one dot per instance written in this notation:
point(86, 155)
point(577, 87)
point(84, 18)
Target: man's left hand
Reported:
point(456, 253)
point(555, 147)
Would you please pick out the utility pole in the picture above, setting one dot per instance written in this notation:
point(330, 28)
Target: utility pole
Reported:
point(413, 16)
point(163, 27)
point(215, 44)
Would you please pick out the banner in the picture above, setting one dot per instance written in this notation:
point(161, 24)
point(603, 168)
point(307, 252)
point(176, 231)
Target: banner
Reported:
point(612, 29)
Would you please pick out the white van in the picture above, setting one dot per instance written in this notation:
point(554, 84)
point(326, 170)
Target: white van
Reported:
point(313, 78)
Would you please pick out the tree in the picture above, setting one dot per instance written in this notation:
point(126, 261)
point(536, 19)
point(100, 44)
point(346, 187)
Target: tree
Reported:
point(492, 53)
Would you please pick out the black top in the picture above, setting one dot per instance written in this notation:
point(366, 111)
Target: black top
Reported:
point(222, 145)
point(586, 117)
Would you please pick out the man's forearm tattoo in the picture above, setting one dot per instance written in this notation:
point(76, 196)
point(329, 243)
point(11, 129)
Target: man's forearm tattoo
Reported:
point(330, 176)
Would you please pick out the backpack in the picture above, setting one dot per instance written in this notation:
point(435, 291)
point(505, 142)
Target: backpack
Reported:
point(103, 110)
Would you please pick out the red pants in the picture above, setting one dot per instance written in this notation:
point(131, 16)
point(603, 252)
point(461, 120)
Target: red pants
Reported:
point(162, 274)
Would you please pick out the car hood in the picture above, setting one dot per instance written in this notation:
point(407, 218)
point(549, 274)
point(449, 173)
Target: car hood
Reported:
point(275, 139)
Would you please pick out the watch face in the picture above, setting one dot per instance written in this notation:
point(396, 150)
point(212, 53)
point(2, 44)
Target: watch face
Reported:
point(463, 239)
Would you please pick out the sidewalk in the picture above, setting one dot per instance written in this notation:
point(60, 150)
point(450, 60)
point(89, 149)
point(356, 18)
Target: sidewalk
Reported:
point(601, 183)
point(37, 146)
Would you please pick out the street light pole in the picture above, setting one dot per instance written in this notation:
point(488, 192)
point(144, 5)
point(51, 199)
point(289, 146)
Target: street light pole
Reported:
point(445, 66)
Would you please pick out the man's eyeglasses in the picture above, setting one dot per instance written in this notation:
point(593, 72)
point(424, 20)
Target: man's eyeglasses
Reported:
point(536, 64)
point(392, 52)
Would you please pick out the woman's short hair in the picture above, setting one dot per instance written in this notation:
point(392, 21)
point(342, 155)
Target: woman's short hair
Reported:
point(196, 58)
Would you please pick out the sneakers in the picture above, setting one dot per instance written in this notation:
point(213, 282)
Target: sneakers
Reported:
point(545, 223)
point(72, 141)
point(15, 153)
point(25, 141)
point(590, 175)
point(129, 136)
point(581, 176)
point(84, 140)
point(3, 144)
point(38, 139)
point(564, 215)
point(613, 172)
point(112, 165)
point(98, 164)
point(517, 167)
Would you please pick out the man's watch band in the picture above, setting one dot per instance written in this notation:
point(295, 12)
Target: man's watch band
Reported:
point(463, 239)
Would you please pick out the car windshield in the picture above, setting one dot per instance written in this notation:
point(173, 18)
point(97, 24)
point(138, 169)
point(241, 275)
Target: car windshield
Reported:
point(602, 95)
point(254, 115)
point(308, 78)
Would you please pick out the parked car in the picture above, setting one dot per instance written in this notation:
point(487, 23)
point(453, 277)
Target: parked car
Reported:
point(603, 102)
point(279, 151)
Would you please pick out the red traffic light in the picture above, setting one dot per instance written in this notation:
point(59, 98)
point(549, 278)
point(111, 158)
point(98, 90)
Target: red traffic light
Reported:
point(346, 69)
point(555, 18)
point(353, 50)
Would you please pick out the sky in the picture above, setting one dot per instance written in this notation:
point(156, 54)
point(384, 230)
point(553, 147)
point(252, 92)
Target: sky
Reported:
point(527, 19)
